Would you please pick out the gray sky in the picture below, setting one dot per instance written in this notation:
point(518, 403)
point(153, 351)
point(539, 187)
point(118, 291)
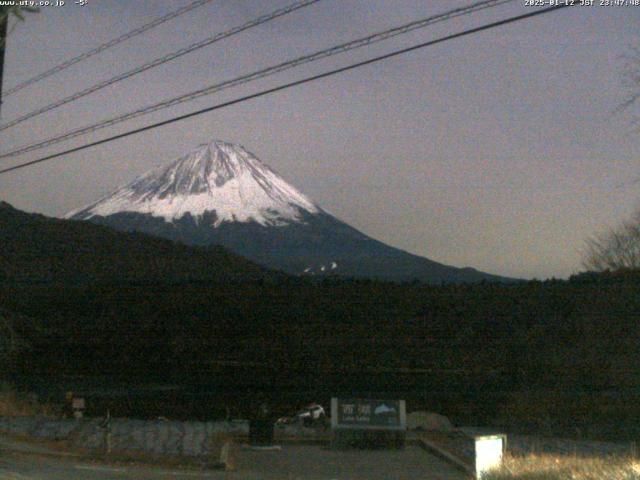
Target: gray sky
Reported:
point(499, 150)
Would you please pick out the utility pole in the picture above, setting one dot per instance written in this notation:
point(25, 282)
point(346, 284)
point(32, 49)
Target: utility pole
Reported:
point(4, 20)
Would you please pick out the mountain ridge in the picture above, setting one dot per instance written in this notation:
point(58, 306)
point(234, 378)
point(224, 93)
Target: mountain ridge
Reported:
point(39, 249)
point(239, 186)
point(221, 194)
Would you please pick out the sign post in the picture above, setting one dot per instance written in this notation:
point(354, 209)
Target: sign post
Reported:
point(261, 427)
point(368, 423)
point(78, 406)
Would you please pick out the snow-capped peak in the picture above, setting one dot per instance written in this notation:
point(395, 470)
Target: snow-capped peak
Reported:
point(216, 177)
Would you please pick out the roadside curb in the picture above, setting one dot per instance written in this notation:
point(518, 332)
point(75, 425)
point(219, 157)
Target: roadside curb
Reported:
point(33, 449)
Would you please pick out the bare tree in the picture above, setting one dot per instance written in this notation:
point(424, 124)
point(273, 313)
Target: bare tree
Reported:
point(619, 248)
point(631, 75)
point(631, 81)
point(615, 250)
point(6, 12)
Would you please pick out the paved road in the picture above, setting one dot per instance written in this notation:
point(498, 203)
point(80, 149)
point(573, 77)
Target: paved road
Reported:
point(290, 463)
point(318, 463)
point(265, 465)
point(20, 466)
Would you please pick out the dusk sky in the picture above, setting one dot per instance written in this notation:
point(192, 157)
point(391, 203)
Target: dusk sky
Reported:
point(500, 150)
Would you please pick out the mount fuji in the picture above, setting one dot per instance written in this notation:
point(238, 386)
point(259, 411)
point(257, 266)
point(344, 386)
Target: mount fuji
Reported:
point(221, 194)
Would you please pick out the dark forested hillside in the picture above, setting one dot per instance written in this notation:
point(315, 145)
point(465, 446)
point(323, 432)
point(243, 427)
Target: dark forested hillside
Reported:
point(547, 355)
point(34, 248)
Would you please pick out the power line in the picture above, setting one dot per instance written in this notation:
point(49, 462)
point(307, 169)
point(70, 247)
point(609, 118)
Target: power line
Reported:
point(111, 43)
point(345, 47)
point(292, 84)
point(161, 60)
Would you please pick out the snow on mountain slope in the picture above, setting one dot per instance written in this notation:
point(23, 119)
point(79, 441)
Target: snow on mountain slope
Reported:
point(218, 177)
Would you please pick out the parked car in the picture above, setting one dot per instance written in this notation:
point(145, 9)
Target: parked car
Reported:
point(308, 416)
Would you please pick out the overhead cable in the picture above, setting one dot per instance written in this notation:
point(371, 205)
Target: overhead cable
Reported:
point(345, 47)
point(290, 85)
point(101, 48)
point(159, 61)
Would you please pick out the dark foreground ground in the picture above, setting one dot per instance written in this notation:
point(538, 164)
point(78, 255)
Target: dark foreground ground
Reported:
point(24, 461)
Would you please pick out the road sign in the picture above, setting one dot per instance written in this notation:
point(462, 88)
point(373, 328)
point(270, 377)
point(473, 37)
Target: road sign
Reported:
point(365, 414)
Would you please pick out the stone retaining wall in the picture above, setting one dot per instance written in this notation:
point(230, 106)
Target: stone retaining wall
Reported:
point(153, 436)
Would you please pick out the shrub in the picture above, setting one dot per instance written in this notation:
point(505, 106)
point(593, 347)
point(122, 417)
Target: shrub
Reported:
point(555, 467)
point(14, 404)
